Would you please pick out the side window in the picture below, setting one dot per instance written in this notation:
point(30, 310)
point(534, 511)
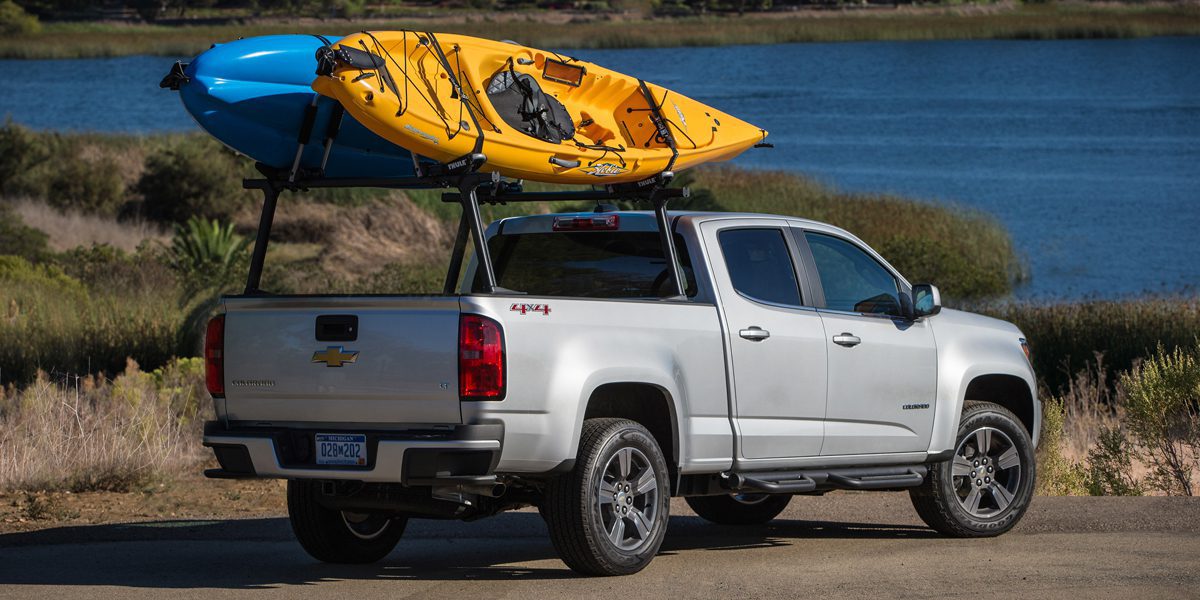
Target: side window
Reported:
point(853, 281)
point(760, 265)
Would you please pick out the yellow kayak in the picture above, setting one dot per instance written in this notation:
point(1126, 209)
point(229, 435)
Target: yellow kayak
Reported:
point(535, 114)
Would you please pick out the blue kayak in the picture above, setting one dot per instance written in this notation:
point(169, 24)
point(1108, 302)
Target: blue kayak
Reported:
point(254, 94)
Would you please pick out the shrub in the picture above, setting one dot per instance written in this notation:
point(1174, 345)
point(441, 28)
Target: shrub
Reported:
point(19, 240)
point(1163, 412)
point(206, 254)
point(1110, 465)
point(15, 21)
point(192, 179)
point(1057, 474)
point(52, 322)
point(89, 186)
point(20, 150)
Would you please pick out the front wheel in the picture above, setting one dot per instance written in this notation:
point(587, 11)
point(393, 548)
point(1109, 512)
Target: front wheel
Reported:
point(986, 487)
point(739, 509)
point(609, 515)
point(337, 536)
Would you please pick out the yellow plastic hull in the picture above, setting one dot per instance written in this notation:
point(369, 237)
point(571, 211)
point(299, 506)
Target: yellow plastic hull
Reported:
point(425, 116)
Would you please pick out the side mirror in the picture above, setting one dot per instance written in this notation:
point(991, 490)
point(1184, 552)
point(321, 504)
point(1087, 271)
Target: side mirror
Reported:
point(927, 301)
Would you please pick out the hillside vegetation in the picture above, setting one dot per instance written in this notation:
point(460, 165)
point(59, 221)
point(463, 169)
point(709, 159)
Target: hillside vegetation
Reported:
point(115, 249)
point(661, 24)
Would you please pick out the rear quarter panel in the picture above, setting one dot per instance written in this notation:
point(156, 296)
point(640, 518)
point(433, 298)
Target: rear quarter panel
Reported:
point(556, 360)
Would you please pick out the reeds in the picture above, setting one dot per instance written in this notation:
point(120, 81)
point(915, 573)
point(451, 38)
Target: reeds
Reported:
point(89, 433)
point(88, 40)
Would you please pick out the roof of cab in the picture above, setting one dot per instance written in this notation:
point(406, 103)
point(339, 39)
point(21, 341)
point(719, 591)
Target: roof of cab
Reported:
point(643, 220)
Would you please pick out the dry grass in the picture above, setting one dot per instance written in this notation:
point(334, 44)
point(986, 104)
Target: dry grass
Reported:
point(1089, 405)
point(71, 229)
point(359, 240)
point(85, 433)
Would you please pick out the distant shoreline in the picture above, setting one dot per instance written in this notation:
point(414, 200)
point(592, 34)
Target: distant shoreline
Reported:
point(587, 30)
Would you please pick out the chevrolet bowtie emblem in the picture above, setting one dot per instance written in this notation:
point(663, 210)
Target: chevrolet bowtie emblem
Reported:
point(335, 356)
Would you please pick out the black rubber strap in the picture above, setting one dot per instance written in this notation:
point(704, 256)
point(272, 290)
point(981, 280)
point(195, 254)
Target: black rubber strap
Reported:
point(660, 124)
point(437, 48)
point(335, 121)
point(310, 117)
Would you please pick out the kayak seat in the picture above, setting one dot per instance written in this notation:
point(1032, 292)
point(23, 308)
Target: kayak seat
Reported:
point(520, 101)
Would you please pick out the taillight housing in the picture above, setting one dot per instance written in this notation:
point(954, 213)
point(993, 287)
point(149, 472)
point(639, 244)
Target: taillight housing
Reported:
point(480, 358)
point(214, 356)
point(1026, 350)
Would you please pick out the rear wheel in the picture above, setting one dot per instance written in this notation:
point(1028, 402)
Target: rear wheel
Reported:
point(609, 515)
point(986, 487)
point(739, 509)
point(336, 536)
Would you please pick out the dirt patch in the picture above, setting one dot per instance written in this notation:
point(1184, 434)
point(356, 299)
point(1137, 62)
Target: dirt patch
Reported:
point(188, 497)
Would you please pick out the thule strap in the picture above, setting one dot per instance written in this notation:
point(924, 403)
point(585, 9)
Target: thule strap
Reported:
point(331, 131)
point(660, 125)
point(306, 126)
point(454, 84)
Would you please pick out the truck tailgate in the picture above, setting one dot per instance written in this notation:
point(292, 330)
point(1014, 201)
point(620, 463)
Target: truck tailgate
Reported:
point(387, 360)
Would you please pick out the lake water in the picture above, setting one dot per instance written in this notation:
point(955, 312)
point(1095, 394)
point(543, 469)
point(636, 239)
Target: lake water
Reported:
point(1088, 151)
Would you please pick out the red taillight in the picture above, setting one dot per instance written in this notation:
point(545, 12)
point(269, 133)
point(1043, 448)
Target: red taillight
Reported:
point(480, 359)
point(214, 356)
point(591, 223)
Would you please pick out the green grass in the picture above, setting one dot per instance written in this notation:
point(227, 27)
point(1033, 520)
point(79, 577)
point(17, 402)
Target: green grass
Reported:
point(1049, 22)
point(1065, 337)
point(52, 322)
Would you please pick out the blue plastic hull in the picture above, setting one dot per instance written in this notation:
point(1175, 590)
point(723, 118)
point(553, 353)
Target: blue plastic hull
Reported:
point(251, 95)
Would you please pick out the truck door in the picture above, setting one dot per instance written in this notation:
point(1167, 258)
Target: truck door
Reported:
point(777, 344)
point(882, 367)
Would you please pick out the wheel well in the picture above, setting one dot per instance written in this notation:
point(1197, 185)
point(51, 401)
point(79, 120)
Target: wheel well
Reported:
point(641, 402)
point(1008, 391)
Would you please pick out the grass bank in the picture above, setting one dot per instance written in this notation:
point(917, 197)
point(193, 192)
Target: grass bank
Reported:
point(1068, 338)
point(1020, 22)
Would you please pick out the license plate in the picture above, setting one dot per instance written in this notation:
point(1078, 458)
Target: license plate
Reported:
point(341, 449)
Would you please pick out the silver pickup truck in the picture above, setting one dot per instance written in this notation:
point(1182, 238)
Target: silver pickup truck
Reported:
point(581, 381)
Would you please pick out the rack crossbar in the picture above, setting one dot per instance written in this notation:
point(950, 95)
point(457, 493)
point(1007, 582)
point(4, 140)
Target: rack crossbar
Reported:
point(474, 188)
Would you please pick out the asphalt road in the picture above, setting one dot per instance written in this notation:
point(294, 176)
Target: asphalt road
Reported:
point(842, 545)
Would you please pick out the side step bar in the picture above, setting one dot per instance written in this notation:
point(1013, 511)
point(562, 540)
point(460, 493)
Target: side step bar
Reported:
point(800, 482)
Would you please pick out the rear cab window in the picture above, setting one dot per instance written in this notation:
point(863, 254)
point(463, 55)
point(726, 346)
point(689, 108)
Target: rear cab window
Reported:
point(586, 264)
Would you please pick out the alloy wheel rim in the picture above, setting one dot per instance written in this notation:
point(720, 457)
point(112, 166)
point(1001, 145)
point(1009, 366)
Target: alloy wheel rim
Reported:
point(365, 526)
point(986, 472)
point(627, 499)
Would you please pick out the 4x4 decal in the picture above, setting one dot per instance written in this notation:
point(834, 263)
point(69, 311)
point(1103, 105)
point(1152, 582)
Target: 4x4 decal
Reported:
point(528, 308)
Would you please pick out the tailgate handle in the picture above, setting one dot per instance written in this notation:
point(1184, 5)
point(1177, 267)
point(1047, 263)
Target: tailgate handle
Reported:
point(337, 328)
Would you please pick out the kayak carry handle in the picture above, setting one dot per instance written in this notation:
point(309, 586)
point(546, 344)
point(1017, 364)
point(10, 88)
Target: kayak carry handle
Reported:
point(566, 164)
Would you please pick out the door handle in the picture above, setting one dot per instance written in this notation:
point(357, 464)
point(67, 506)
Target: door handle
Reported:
point(755, 333)
point(848, 340)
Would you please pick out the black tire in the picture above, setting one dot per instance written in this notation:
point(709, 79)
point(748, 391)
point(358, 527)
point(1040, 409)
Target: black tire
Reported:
point(943, 503)
point(739, 509)
point(581, 523)
point(327, 534)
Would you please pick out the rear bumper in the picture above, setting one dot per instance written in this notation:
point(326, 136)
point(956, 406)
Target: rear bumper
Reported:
point(463, 454)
